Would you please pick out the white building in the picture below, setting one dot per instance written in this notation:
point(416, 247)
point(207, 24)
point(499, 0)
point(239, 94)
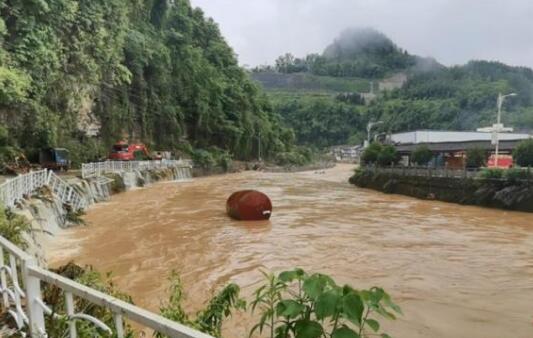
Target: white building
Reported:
point(437, 136)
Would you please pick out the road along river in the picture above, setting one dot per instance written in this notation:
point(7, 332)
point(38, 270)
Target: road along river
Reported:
point(456, 271)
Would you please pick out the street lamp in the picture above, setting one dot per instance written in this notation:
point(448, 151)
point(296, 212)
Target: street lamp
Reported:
point(498, 127)
point(369, 127)
point(502, 98)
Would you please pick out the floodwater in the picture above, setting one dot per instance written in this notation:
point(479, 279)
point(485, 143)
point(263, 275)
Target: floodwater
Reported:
point(456, 271)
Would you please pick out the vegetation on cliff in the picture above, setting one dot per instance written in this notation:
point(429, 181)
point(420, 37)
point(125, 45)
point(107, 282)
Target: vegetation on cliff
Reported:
point(155, 71)
point(13, 227)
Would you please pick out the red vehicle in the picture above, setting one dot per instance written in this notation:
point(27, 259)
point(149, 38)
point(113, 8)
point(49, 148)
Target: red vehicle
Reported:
point(122, 151)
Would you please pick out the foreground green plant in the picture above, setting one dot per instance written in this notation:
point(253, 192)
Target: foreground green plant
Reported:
point(59, 326)
point(296, 304)
point(208, 320)
point(13, 226)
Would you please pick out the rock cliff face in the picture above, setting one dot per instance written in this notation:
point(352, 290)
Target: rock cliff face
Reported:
point(488, 193)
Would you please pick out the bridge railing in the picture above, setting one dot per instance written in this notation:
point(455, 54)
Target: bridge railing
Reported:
point(22, 300)
point(96, 169)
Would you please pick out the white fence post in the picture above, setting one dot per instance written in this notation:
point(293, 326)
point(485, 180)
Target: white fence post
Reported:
point(33, 292)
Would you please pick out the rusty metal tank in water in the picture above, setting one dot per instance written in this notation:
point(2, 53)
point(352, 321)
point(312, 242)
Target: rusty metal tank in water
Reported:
point(249, 205)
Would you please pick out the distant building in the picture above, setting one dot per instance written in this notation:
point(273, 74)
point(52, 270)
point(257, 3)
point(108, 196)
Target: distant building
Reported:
point(450, 147)
point(347, 153)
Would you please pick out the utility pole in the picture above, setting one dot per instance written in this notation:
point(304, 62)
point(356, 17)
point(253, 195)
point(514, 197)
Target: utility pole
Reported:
point(498, 127)
point(259, 146)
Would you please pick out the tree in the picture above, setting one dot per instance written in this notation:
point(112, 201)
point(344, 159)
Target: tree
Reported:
point(476, 158)
point(523, 153)
point(388, 155)
point(421, 155)
point(371, 153)
point(159, 72)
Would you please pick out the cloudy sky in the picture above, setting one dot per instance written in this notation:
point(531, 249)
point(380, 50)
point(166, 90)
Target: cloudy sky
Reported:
point(452, 31)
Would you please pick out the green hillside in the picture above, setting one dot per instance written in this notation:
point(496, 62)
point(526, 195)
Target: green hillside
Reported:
point(434, 96)
point(154, 71)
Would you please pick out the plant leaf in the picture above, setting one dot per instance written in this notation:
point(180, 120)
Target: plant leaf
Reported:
point(344, 332)
point(314, 286)
point(308, 329)
point(374, 324)
point(326, 304)
point(289, 308)
point(288, 276)
point(353, 307)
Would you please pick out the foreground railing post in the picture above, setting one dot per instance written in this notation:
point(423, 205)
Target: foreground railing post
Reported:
point(69, 302)
point(33, 292)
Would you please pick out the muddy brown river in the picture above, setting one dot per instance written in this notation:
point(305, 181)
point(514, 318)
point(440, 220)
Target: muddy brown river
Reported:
point(456, 271)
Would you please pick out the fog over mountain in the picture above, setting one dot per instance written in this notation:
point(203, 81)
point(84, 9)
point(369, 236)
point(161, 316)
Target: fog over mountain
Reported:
point(453, 31)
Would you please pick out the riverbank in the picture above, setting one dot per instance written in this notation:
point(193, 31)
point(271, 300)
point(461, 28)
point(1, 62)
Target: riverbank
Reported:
point(47, 216)
point(456, 271)
point(493, 193)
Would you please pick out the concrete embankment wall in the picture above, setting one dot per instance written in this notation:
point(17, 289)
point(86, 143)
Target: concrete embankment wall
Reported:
point(503, 194)
point(48, 215)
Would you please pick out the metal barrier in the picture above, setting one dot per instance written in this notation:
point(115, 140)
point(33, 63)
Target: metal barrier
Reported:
point(15, 189)
point(108, 167)
point(22, 299)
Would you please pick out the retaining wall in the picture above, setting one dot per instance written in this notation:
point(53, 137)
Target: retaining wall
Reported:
point(503, 194)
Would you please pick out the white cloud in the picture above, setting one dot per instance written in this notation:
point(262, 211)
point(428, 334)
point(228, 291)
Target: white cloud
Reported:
point(453, 31)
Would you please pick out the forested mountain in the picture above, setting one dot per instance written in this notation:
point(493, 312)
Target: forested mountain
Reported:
point(155, 71)
point(323, 112)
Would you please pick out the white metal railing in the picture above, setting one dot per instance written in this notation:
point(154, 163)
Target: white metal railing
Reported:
point(66, 192)
point(15, 189)
point(99, 168)
point(22, 300)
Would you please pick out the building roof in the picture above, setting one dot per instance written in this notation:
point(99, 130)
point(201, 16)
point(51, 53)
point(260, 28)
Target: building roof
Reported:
point(438, 136)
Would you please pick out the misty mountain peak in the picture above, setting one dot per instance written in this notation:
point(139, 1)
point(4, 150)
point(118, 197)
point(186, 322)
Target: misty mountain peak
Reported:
point(353, 43)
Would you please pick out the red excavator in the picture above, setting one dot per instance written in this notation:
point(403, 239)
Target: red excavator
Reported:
point(122, 151)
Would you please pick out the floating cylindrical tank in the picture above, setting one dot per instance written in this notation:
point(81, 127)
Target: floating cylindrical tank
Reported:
point(249, 205)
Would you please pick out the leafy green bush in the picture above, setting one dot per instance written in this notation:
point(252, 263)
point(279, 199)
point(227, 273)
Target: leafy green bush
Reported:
point(59, 327)
point(516, 174)
point(117, 185)
point(203, 158)
point(13, 226)
point(297, 157)
point(296, 304)
point(388, 155)
point(523, 153)
point(476, 158)
point(225, 161)
point(421, 155)
point(208, 320)
point(492, 173)
point(371, 153)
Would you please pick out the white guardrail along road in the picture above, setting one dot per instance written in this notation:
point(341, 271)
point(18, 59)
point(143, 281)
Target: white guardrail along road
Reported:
point(16, 189)
point(109, 167)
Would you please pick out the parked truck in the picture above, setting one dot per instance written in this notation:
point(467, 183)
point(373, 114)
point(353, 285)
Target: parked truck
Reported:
point(55, 158)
